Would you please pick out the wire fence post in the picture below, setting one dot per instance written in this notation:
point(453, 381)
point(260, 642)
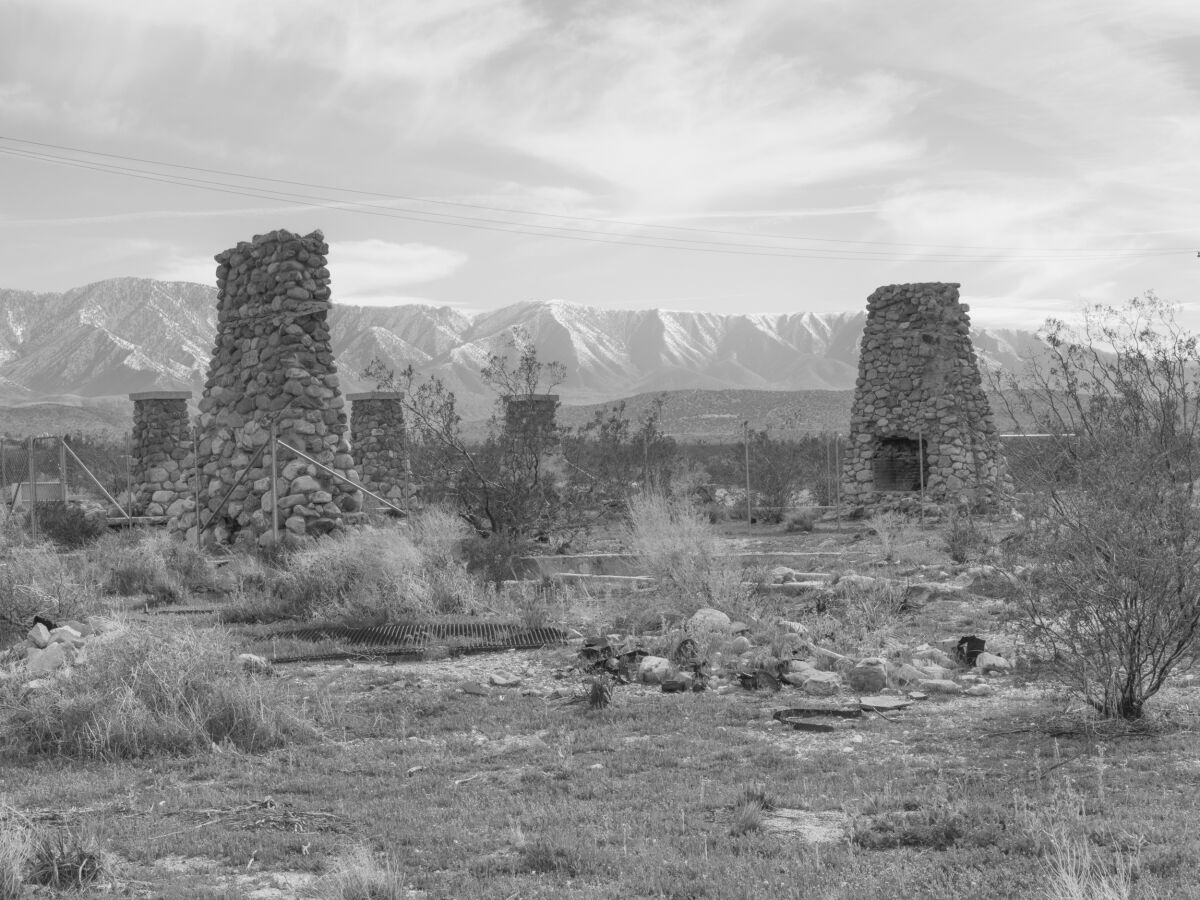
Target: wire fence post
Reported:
point(274, 486)
point(837, 481)
point(921, 470)
point(62, 467)
point(749, 517)
point(129, 471)
point(33, 529)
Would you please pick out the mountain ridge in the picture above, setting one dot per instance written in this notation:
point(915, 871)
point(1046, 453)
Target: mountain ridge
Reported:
point(122, 335)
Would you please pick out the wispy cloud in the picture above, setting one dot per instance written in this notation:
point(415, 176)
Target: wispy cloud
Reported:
point(366, 273)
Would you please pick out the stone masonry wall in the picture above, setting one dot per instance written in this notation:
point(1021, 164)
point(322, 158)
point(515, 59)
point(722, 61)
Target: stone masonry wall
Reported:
point(162, 444)
point(380, 445)
point(272, 364)
point(919, 389)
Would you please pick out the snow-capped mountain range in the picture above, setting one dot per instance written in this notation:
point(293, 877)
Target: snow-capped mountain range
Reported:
point(135, 334)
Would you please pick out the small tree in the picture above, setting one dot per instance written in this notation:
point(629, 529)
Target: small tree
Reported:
point(610, 457)
point(1113, 592)
point(502, 485)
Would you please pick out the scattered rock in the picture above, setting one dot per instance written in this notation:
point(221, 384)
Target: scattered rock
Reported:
point(782, 575)
point(474, 688)
point(65, 634)
point(739, 628)
point(918, 695)
point(990, 662)
point(39, 635)
point(904, 675)
point(979, 690)
point(653, 669)
point(822, 684)
point(253, 663)
point(933, 655)
point(869, 676)
point(740, 644)
point(883, 704)
point(504, 680)
point(941, 686)
point(53, 657)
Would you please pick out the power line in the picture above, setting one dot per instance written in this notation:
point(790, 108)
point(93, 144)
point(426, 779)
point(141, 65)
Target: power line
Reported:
point(656, 241)
point(605, 221)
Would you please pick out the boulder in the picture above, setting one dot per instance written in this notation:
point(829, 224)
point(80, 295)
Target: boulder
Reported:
point(39, 635)
point(782, 575)
point(55, 656)
point(990, 662)
point(253, 663)
point(904, 675)
point(822, 684)
point(504, 680)
point(979, 690)
point(65, 634)
point(708, 619)
point(740, 644)
point(933, 655)
point(869, 676)
point(653, 669)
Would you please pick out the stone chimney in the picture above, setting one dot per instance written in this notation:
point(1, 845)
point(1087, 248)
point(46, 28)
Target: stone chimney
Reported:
point(920, 416)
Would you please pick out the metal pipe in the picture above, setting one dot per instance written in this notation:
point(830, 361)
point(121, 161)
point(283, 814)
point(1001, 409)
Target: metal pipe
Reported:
point(96, 480)
point(339, 476)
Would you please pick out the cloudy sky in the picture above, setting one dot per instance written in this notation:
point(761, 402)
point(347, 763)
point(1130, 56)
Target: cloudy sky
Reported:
point(731, 156)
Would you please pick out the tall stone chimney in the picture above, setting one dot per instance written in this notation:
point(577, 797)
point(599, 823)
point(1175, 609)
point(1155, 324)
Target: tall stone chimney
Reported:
point(920, 417)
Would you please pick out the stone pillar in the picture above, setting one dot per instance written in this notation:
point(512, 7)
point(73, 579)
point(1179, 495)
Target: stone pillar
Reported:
point(531, 415)
point(272, 365)
point(162, 443)
point(920, 413)
point(379, 441)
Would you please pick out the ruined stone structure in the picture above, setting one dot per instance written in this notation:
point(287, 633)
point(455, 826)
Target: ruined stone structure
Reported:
point(531, 415)
point(380, 443)
point(162, 444)
point(920, 415)
point(272, 364)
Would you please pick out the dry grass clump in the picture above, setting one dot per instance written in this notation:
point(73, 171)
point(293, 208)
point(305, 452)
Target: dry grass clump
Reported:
point(65, 859)
point(678, 547)
point(36, 580)
point(146, 693)
point(16, 843)
point(379, 574)
point(1078, 872)
point(358, 876)
point(154, 564)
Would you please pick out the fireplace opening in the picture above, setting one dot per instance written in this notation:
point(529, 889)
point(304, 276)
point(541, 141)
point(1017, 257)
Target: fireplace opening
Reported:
point(898, 464)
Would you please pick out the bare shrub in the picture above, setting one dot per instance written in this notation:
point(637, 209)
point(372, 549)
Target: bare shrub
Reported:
point(800, 520)
point(1112, 598)
point(147, 693)
point(678, 547)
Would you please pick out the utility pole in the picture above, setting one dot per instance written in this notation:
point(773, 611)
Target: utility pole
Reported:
point(746, 438)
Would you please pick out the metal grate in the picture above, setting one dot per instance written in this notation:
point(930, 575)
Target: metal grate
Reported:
point(416, 638)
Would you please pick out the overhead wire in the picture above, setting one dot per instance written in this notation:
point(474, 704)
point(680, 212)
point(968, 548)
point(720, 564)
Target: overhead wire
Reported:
point(655, 241)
